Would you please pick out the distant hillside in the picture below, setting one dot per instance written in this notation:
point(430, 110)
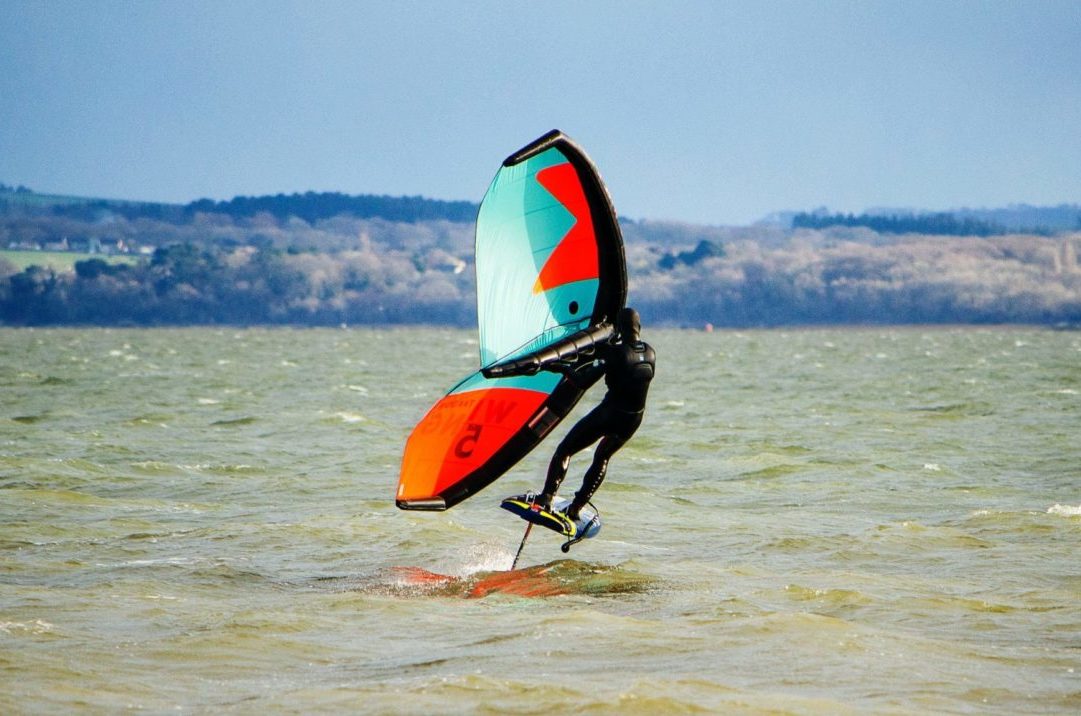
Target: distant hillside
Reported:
point(21, 199)
point(310, 207)
point(1021, 217)
point(329, 259)
point(937, 224)
point(1017, 218)
point(317, 206)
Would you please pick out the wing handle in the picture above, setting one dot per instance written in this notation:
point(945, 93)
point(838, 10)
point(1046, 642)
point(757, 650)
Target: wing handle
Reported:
point(568, 350)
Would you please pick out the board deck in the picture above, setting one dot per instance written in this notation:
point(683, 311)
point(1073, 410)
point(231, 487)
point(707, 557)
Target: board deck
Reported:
point(587, 525)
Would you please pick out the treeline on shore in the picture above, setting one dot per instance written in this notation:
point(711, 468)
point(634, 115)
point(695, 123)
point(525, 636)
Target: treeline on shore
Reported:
point(255, 267)
point(940, 224)
point(310, 206)
point(1018, 219)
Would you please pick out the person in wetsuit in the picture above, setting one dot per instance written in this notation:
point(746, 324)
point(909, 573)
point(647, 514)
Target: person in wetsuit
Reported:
point(628, 365)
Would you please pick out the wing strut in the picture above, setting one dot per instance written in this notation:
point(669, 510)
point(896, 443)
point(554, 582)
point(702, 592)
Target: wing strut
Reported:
point(570, 348)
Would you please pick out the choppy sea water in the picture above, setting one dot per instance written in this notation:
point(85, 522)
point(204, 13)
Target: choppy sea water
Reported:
point(817, 521)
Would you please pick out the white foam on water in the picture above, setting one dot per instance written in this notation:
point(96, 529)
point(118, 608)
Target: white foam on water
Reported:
point(488, 557)
point(38, 626)
point(347, 417)
point(1064, 510)
point(147, 562)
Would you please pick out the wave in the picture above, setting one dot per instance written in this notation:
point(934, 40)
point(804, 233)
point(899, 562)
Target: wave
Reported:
point(1064, 510)
point(246, 420)
point(557, 578)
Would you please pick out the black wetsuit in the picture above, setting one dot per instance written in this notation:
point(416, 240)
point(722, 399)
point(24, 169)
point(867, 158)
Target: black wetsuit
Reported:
point(628, 368)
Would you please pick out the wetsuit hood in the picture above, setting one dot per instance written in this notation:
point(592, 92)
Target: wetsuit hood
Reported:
point(628, 323)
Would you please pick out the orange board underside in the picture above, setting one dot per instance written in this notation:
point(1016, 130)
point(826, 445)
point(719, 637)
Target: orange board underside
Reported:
point(459, 434)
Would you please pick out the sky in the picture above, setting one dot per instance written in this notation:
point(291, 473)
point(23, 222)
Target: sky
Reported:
point(714, 113)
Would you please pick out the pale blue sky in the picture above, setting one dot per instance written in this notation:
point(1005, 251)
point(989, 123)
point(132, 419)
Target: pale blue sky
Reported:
point(706, 112)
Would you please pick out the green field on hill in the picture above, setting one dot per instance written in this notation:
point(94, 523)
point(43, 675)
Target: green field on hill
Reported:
point(59, 260)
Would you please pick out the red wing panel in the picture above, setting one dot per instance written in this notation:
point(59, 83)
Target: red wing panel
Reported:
point(575, 257)
point(459, 435)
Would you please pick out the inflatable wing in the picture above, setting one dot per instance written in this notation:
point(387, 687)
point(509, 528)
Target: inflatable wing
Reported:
point(550, 273)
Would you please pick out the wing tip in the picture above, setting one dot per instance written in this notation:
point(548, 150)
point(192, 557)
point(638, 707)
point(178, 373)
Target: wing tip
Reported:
point(429, 504)
point(535, 147)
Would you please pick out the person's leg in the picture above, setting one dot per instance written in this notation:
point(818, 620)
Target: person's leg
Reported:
point(586, 432)
point(607, 447)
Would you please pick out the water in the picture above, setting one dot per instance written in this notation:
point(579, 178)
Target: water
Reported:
point(820, 521)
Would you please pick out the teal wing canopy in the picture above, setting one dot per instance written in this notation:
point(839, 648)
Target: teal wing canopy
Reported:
point(549, 251)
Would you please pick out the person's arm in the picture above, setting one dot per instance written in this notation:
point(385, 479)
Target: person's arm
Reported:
point(582, 375)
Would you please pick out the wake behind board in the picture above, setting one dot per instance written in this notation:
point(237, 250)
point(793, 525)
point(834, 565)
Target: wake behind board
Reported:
point(587, 525)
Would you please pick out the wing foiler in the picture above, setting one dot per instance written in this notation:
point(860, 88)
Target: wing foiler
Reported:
point(551, 277)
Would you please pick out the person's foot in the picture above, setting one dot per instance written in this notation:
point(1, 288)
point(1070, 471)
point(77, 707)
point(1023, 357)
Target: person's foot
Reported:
point(544, 500)
point(573, 512)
